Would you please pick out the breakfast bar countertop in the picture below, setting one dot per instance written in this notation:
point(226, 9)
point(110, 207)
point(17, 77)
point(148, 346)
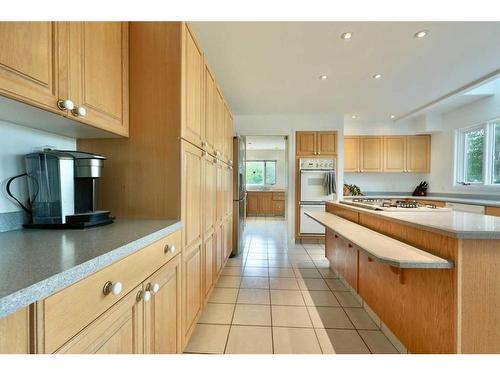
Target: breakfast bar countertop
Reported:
point(35, 263)
point(455, 224)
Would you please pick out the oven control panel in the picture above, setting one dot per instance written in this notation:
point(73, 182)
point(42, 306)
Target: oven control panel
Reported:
point(317, 163)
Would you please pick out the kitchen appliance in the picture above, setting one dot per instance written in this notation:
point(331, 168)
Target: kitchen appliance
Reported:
point(62, 189)
point(393, 205)
point(239, 194)
point(313, 193)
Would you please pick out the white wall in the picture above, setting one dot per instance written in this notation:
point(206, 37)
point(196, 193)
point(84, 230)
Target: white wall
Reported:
point(15, 142)
point(281, 124)
point(442, 150)
point(279, 156)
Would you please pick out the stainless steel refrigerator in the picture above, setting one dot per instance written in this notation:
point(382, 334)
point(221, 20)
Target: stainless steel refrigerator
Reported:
point(239, 193)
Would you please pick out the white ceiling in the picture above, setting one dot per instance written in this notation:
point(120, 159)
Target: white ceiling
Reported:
point(265, 142)
point(273, 67)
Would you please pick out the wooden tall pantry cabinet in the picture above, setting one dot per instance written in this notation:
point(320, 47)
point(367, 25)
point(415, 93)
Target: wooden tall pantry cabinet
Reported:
point(177, 159)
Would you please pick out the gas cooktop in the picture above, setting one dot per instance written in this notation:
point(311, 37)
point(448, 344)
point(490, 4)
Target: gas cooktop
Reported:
point(392, 205)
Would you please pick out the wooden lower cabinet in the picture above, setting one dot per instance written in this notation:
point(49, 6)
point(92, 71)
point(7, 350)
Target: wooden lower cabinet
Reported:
point(15, 333)
point(163, 311)
point(119, 330)
point(493, 211)
point(343, 257)
point(191, 289)
point(262, 203)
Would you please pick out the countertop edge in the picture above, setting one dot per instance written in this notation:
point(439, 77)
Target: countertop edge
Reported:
point(53, 284)
point(462, 235)
point(443, 198)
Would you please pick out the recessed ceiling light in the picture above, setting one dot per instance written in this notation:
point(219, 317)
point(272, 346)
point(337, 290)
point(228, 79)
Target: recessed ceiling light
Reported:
point(393, 117)
point(323, 77)
point(347, 35)
point(353, 116)
point(377, 76)
point(420, 34)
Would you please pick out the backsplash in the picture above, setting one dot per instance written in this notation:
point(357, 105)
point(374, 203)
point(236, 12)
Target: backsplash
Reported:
point(15, 142)
point(385, 182)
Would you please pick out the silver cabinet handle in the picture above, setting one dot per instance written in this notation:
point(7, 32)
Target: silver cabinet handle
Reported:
point(112, 288)
point(79, 112)
point(154, 288)
point(146, 296)
point(169, 248)
point(65, 104)
point(204, 144)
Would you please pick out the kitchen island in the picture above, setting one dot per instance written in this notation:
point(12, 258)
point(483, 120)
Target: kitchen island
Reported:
point(453, 308)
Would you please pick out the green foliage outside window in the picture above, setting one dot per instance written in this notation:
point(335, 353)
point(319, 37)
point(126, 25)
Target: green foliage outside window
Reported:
point(262, 172)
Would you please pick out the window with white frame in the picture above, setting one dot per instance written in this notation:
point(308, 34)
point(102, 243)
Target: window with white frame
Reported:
point(478, 155)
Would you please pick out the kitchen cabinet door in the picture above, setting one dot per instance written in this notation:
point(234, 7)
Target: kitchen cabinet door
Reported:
point(418, 158)
point(279, 208)
point(98, 71)
point(193, 70)
point(326, 143)
point(265, 203)
point(220, 203)
point(209, 266)
point(228, 135)
point(191, 289)
point(15, 333)
point(219, 124)
point(351, 154)
point(252, 203)
point(395, 154)
point(210, 111)
point(192, 194)
point(305, 143)
point(219, 249)
point(163, 311)
point(118, 331)
point(33, 62)
point(371, 157)
point(229, 190)
point(210, 194)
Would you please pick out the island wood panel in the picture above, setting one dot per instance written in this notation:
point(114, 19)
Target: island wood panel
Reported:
point(343, 258)
point(15, 332)
point(343, 213)
point(493, 211)
point(420, 311)
point(479, 296)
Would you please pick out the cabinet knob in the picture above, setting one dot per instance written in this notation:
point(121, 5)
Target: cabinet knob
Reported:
point(79, 112)
point(113, 288)
point(204, 144)
point(147, 296)
point(169, 248)
point(153, 287)
point(65, 104)
point(318, 153)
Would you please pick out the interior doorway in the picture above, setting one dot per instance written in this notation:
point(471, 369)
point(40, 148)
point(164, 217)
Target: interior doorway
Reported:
point(266, 173)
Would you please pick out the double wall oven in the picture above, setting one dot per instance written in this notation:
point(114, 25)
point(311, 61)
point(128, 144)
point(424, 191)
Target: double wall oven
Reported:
point(313, 191)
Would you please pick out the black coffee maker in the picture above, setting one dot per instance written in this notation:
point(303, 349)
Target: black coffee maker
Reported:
point(62, 189)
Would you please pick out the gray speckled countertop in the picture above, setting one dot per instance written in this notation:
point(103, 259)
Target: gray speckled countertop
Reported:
point(455, 224)
point(35, 263)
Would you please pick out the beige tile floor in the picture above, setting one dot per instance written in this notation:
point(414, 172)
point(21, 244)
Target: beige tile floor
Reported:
point(281, 298)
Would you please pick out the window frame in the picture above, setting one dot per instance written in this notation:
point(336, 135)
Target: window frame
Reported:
point(265, 161)
point(488, 156)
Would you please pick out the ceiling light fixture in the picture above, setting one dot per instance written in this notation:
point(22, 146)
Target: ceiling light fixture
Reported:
point(420, 34)
point(346, 36)
point(353, 117)
point(377, 76)
point(393, 117)
point(323, 77)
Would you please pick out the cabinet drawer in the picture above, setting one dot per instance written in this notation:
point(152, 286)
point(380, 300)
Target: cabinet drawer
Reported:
point(68, 311)
point(279, 196)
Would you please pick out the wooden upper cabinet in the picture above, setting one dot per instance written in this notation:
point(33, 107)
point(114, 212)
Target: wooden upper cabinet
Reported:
point(32, 62)
point(316, 143)
point(326, 143)
point(395, 154)
point(371, 158)
point(351, 154)
point(305, 143)
point(418, 153)
point(210, 111)
point(219, 124)
point(98, 71)
point(228, 134)
point(193, 68)
point(163, 311)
